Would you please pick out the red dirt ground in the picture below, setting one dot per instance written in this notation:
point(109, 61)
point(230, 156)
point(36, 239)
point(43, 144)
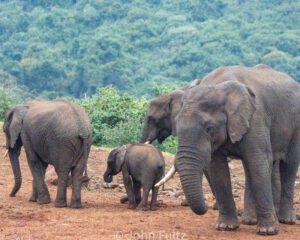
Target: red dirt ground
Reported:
point(103, 217)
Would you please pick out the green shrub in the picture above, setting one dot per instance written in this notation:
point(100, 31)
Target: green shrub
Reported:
point(6, 102)
point(116, 118)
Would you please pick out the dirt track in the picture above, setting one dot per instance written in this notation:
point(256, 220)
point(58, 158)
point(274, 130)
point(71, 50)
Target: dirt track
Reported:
point(103, 217)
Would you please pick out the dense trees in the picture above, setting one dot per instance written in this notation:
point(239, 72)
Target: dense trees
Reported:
point(72, 47)
point(75, 48)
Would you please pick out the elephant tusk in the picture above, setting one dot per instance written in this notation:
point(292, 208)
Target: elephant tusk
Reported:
point(147, 142)
point(169, 175)
point(5, 154)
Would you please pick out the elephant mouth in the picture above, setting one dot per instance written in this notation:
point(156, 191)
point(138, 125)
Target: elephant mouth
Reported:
point(163, 134)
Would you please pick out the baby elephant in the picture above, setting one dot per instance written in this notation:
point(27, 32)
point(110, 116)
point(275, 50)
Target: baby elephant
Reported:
point(142, 166)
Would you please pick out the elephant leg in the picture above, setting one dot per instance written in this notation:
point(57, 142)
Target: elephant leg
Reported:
point(137, 191)
point(276, 186)
point(143, 204)
point(206, 173)
point(220, 177)
point(153, 204)
point(40, 190)
point(249, 214)
point(34, 194)
point(257, 162)
point(129, 189)
point(61, 195)
point(288, 171)
point(76, 174)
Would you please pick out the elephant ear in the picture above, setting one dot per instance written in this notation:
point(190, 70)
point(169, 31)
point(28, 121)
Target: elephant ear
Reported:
point(175, 105)
point(13, 125)
point(120, 157)
point(239, 106)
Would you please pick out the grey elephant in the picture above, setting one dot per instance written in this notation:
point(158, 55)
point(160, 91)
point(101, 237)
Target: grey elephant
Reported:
point(142, 166)
point(251, 114)
point(159, 122)
point(52, 132)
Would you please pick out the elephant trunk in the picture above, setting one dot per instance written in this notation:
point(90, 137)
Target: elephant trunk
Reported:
point(190, 170)
point(145, 133)
point(107, 177)
point(15, 164)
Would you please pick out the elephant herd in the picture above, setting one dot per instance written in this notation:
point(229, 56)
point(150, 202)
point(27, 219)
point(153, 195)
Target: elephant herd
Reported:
point(247, 113)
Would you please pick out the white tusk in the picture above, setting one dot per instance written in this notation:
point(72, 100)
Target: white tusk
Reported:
point(5, 154)
point(169, 174)
point(147, 142)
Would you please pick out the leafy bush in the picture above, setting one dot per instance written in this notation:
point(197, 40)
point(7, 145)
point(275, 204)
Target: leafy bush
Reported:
point(11, 93)
point(116, 118)
point(6, 102)
point(169, 145)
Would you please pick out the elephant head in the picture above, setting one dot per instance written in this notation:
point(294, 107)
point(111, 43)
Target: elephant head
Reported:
point(115, 162)
point(12, 128)
point(159, 122)
point(210, 116)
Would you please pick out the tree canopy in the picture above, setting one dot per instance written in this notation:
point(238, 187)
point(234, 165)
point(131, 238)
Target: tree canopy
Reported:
point(59, 48)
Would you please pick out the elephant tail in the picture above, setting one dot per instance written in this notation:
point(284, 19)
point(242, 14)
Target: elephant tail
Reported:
point(86, 142)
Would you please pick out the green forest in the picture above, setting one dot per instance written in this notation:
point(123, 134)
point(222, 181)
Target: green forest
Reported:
point(97, 51)
point(60, 48)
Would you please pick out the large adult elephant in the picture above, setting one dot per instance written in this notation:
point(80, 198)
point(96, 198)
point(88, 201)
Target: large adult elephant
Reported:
point(52, 132)
point(251, 114)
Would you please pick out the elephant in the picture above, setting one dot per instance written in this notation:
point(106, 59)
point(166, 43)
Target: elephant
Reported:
point(142, 166)
point(159, 122)
point(52, 132)
point(250, 113)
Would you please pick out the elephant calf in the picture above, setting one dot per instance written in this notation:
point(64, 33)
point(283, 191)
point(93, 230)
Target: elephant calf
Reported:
point(52, 132)
point(142, 166)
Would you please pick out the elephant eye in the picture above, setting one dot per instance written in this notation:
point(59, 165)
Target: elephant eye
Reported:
point(210, 129)
point(151, 120)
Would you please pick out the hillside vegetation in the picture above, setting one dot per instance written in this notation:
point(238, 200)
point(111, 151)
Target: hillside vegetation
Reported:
point(60, 48)
point(76, 49)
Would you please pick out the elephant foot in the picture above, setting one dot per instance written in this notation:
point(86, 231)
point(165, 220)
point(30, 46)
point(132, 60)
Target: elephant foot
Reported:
point(75, 204)
point(124, 199)
point(184, 203)
point(215, 206)
point(227, 224)
point(153, 207)
point(142, 207)
point(132, 206)
point(267, 229)
point(45, 199)
point(287, 217)
point(249, 219)
point(60, 204)
point(33, 198)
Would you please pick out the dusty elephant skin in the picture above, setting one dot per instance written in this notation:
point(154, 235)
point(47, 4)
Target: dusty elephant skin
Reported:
point(52, 132)
point(251, 114)
point(142, 166)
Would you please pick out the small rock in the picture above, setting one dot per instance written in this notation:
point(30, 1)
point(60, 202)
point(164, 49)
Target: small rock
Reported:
point(178, 193)
point(109, 185)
